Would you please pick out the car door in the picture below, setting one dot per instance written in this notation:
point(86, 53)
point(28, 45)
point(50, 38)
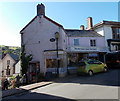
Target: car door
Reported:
point(99, 66)
point(92, 66)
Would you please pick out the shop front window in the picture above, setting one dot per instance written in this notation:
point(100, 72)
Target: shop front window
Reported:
point(72, 59)
point(52, 63)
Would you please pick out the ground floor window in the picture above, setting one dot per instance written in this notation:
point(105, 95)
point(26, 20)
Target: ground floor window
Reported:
point(74, 58)
point(33, 67)
point(8, 71)
point(53, 63)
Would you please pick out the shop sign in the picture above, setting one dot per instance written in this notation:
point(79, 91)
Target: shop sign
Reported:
point(54, 52)
point(84, 49)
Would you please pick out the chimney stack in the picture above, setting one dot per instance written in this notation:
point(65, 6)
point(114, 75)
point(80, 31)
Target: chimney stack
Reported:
point(89, 23)
point(82, 27)
point(40, 9)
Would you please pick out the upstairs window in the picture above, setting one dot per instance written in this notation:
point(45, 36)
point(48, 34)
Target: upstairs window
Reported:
point(116, 33)
point(92, 43)
point(76, 42)
point(8, 62)
point(116, 30)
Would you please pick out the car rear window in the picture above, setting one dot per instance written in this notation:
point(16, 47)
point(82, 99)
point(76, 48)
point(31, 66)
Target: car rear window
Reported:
point(82, 64)
point(94, 62)
point(91, 62)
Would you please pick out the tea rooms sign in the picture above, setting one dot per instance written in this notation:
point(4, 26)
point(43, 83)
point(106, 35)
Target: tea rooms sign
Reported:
point(84, 49)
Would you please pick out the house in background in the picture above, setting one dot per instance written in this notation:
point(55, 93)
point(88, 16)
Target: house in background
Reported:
point(45, 39)
point(0, 53)
point(8, 64)
point(17, 67)
point(111, 31)
point(0, 62)
point(0, 67)
point(85, 44)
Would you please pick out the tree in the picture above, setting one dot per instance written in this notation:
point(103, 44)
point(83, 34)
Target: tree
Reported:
point(24, 60)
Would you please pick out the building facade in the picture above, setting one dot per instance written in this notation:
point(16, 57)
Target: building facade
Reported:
point(0, 67)
point(85, 44)
point(45, 40)
point(111, 31)
point(8, 64)
point(53, 47)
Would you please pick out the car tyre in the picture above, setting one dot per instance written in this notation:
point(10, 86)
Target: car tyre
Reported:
point(90, 73)
point(105, 69)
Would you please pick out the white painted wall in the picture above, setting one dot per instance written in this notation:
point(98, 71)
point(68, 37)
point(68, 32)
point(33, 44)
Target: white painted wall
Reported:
point(106, 31)
point(17, 67)
point(0, 52)
point(0, 67)
point(41, 30)
point(85, 41)
point(100, 30)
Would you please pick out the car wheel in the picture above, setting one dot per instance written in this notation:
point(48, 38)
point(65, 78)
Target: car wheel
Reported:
point(90, 73)
point(105, 69)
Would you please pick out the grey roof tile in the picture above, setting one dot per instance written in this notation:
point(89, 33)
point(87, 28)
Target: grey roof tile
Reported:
point(81, 33)
point(15, 57)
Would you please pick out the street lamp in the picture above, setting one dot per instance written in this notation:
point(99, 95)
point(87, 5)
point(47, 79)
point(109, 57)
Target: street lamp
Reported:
point(57, 37)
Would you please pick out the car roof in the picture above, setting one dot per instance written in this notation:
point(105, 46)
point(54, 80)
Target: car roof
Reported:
point(88, 60)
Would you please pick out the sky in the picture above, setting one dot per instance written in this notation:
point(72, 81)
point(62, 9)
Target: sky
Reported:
point(15, 15)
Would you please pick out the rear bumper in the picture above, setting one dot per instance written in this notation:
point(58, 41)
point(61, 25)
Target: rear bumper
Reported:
point(82, 72)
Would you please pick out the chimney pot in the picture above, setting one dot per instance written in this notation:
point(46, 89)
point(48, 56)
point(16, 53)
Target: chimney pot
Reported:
point(40, 9)
point(82, 27)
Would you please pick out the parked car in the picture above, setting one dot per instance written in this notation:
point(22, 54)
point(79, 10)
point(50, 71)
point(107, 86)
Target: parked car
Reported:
point(90, 67)
point(113, 59)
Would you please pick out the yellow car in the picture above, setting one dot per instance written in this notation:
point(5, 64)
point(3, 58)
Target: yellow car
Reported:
point(90, 67)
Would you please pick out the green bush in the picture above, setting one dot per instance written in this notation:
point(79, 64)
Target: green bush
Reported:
point(12, 78)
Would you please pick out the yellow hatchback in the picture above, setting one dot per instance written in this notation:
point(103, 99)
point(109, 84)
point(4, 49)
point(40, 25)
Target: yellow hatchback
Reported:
point(90, 67)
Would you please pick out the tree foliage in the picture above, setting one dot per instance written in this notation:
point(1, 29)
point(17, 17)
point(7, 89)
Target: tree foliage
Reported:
point(24, 60)
point(10, 49)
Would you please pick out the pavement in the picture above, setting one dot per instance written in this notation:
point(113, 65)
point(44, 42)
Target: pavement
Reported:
point(26, 88)
point(29, 87)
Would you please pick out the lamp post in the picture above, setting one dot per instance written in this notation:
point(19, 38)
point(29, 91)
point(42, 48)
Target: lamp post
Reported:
point(57, 37)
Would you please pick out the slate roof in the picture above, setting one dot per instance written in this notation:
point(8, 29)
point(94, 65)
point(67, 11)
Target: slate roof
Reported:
point(15, 57)
point(81, 33)
point(113, 23)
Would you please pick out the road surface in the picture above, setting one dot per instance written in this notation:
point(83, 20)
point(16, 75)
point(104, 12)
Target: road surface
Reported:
point(99, 86)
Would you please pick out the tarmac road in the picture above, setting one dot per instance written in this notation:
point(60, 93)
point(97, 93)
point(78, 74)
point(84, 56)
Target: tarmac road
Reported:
point(99, 86)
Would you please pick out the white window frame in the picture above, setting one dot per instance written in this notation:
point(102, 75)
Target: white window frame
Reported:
point(93, 42)
point(76, 42)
